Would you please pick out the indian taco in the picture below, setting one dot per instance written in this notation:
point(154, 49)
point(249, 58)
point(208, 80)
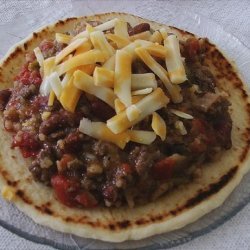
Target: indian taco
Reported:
point(115, 127)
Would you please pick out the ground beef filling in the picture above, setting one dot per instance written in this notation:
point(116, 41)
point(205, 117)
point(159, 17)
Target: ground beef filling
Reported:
point(85, 172)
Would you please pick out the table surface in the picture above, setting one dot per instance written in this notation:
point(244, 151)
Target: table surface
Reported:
point(234, 16)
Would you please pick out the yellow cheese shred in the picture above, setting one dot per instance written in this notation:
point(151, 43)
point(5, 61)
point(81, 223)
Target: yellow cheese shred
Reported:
point(159, 126)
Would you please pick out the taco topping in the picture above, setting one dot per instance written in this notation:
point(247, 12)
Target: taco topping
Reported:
point(114, 115)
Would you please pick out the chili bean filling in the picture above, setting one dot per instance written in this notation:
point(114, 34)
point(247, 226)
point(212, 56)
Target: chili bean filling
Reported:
point(86, 172)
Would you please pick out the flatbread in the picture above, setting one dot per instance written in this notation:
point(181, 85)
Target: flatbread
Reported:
point(178, 208)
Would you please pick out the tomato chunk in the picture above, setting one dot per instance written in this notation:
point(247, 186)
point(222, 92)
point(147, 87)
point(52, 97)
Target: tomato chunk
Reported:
point(86, 199)
point(29, 77)
point(163, 169)
point(65, 189)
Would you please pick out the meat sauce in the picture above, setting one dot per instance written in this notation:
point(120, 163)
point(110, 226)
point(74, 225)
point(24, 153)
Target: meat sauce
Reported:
point(85, 172)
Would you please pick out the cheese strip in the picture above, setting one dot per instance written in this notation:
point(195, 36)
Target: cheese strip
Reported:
point(147, 106)
point(157, 51)
point(104, 26)
point(118, 40)
point(159, 126)
point(164, 33)
point(100, 42)
point(70, 96)
point(142, 81)
point(119, 106)
point(86, 83)
point(180, 127)
point(66, 78)
point(100, 131)
point(48, 67)
point(173, 90)
point(142, 91)
point(156, 37)
point(110, 63)
point(181, 114)
point(121, 29)
point(69, 49)
point(55, 84)
point(176, 70)
point(143, 35)
point(39, 57)
point(142, 137)
point(122, 85)
point(130, 49)
point(103, 77)
point(51, 98)
point(63, 38)
point(86, 46)
point(89, 57)
point(133, 112)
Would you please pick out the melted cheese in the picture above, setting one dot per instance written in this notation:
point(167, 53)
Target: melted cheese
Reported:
point(143, 35)
point(147, 106)
point(69, 49)
point(142, 137)
point(100, 42)
point(173, 60)
point(122, 86)
point(86, 83)
point(100, 131)
point(156, 37)
point(89, 57)
point(142, 91)
point(173, 90)
point(142, 81)
point(102, 27)
point(63, 38)
point(159, 126)
point(133, 112)
point(70, 96)
point(103, 77)
point(118, 40)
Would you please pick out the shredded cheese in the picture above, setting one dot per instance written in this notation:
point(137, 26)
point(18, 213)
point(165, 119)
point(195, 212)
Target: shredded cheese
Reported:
point(180, 127)
point(39, 57)
point(86, 46)
point(133, 112)
point(63, 38)
point(142, 91)
point(102, 27)
point(176, 70)
point(69, 49)
point(89, 57)
point(147, 106)
point(156, 37)
point(143, 35)
point(173, 90)
point(110, 63)
point(122, 85)
point(157, 51)
point(103, 77)
point(100, 42)
point(121, 29)
point(55, 84)
point(142, 81)
point(100, 131)
point(70, 96)
point(86, 83)
point(119, 106)
point(159, 126)
point(164, 33)
point(118, 40)
point(181, 114)
point(142, 137)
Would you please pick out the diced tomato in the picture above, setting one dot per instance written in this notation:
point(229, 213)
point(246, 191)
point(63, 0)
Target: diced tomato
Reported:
point(102, 110)
point(198, 126)
point(86, 199)
point(27, 143)
point(163, 169)
point(109, 193)
point(29, 77)
point(65, 190)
